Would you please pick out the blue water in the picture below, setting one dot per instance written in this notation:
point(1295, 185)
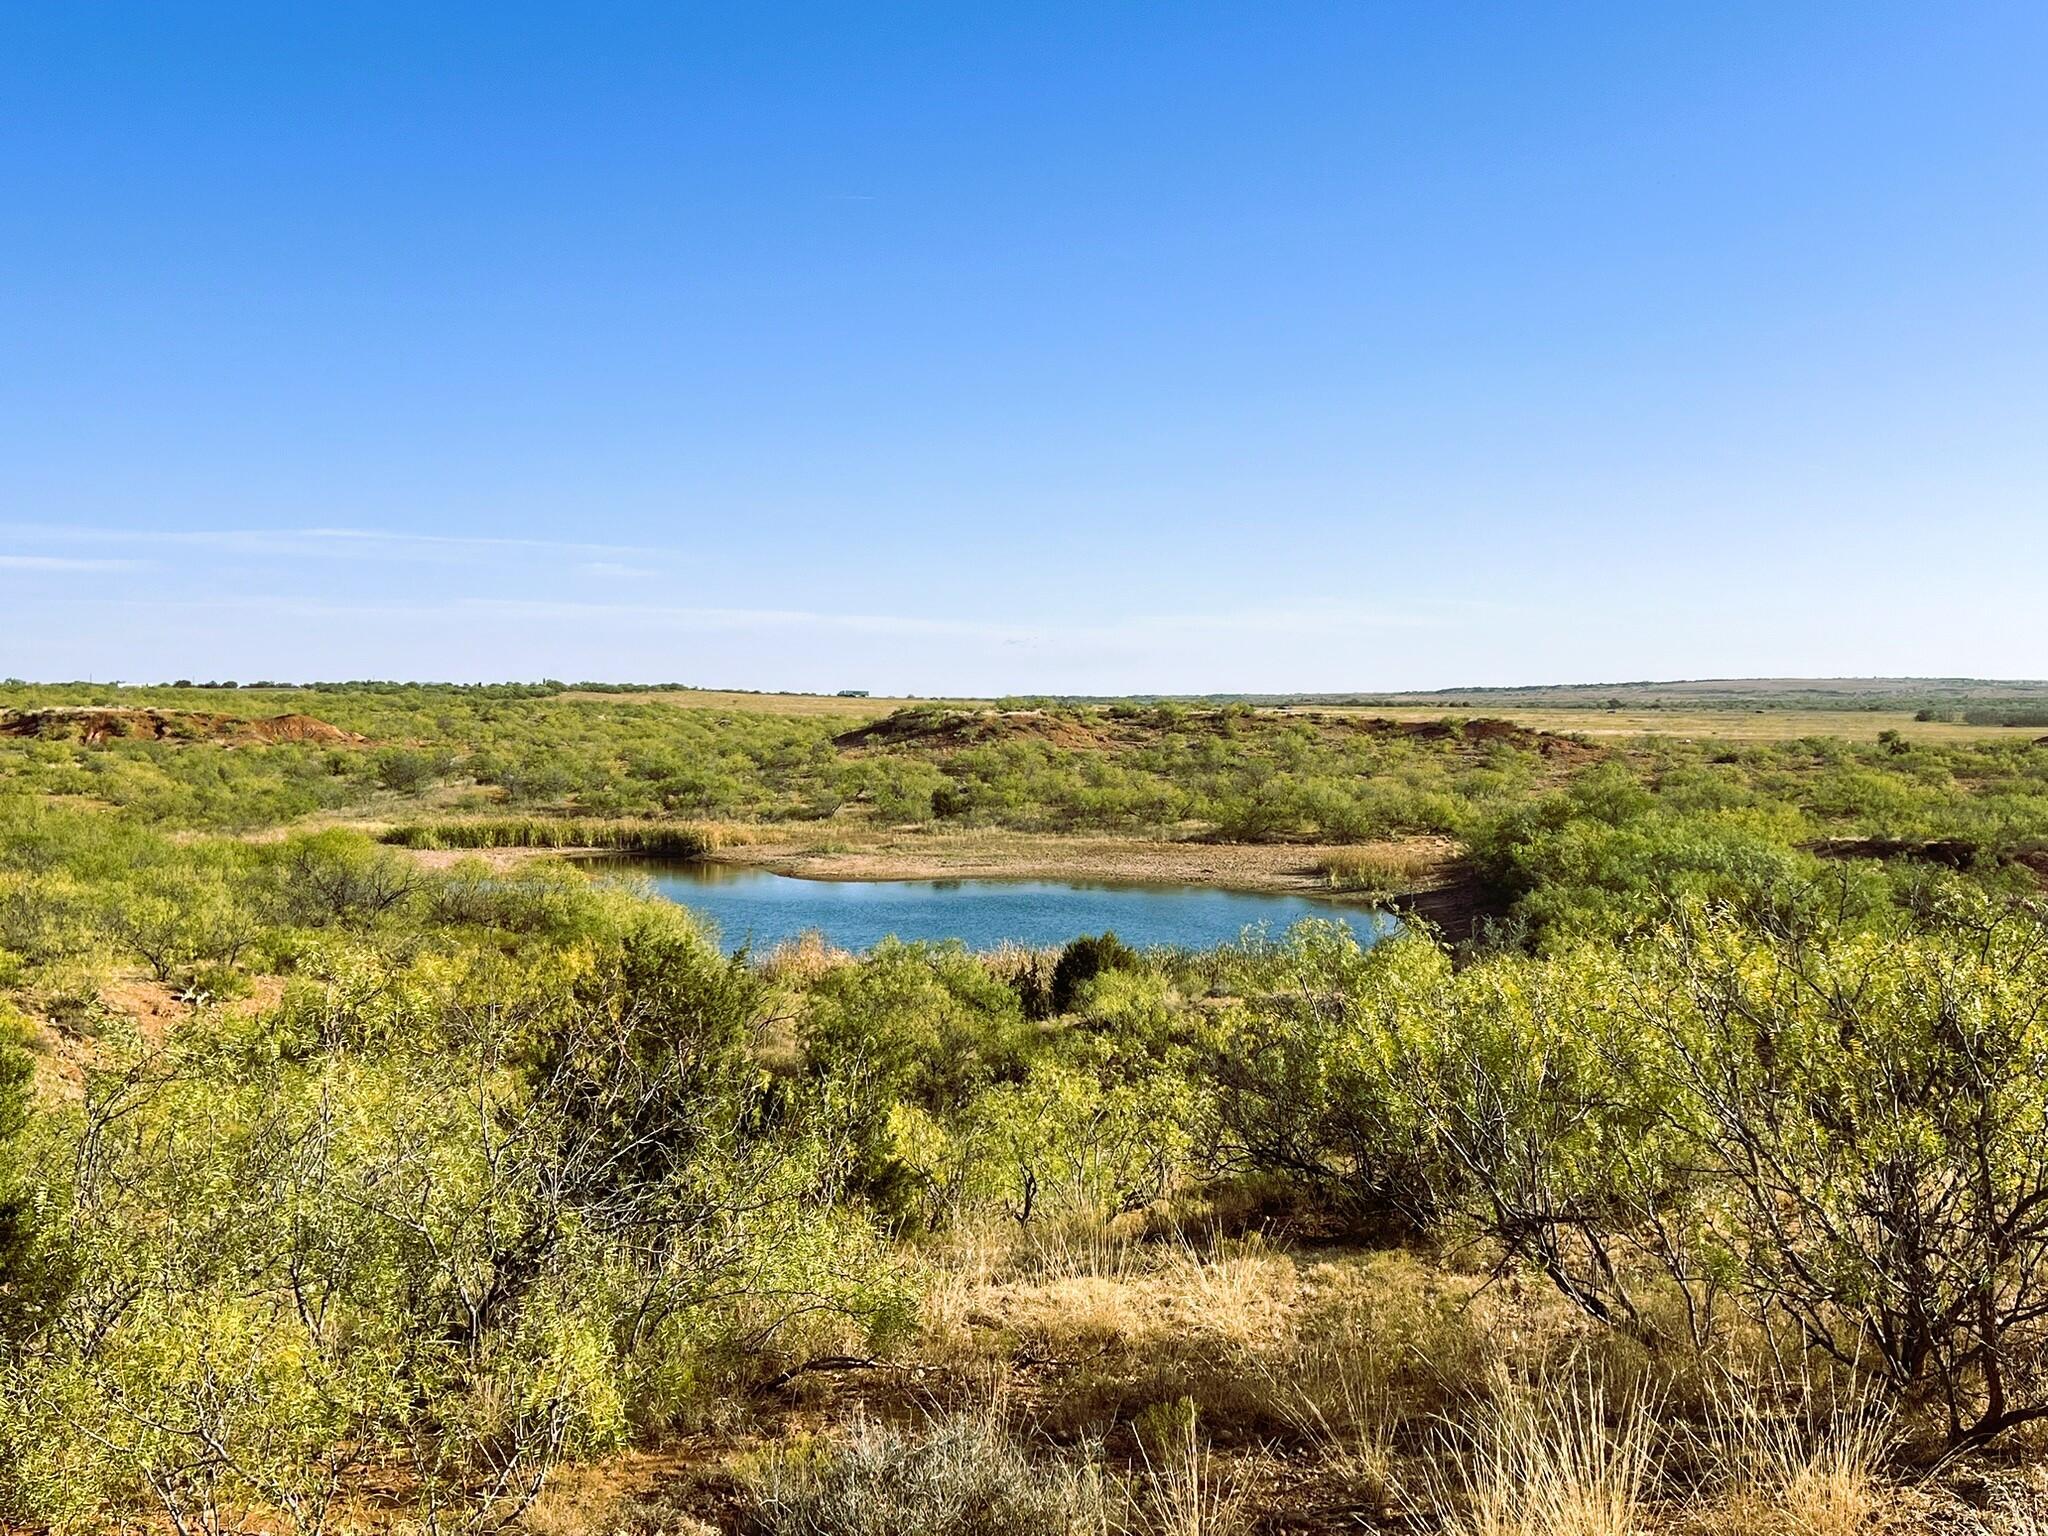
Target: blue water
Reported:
point(756, 908)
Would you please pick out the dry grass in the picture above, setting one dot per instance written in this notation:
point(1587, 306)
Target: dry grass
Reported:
point(1340, 1397)
point(1182, 1492)
point(1378, 869)
point(1100, 1379)
point(1734, 725)
point(1062, 1292)
point(1569, 1463)
point(666, 839)
point(1794, 1462)
point(852, 850)
point(1729, 724)
point(1411, 1390)
point(970, 1473)
point(962, 1475)
point(802, 960)
point(611, 1497)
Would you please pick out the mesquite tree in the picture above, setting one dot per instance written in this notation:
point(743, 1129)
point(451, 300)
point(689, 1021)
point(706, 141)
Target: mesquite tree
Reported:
point(1871, 1112)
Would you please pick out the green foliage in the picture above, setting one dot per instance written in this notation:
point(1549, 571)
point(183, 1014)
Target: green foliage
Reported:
point(176, 919)
point(338, 876)
point(1082, 961)
point(890, 1045)
point(1865, 1112)
point(1233, 772)
point(469, 1171)
point(504, 1235)
point(18, 1211)
point(1315, 1080)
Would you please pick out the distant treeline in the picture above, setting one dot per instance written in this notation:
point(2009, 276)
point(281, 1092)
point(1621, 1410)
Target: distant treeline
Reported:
point(544, 688)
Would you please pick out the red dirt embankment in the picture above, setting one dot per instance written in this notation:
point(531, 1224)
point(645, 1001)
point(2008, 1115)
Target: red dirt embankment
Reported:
point(947, 730)
point(94, 725)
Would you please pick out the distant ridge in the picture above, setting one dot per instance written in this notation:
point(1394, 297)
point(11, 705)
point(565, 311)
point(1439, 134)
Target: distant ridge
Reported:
point(1860, 693)
point(1753, 692)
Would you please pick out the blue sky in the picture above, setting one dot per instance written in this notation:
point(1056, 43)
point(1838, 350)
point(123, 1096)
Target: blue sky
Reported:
point(1056, 347)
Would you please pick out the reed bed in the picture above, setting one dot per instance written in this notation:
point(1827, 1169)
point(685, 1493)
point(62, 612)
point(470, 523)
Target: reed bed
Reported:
point(667, 839)
point(1375, 870)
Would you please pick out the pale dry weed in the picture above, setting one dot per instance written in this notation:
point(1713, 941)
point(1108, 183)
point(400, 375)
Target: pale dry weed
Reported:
point(1792, 1461)
point(1568, 1463)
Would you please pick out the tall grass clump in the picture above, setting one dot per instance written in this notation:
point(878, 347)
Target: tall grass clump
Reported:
point(1374, 871)
point(1181, 1493)
point(1337, 1395)
point(959, 1476)
point(1813, 1468)
point(666, 839)
point(1574, 1465)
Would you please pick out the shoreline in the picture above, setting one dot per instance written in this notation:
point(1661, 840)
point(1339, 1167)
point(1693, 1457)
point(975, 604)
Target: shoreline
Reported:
point(1262, 868)
point(1442, 896)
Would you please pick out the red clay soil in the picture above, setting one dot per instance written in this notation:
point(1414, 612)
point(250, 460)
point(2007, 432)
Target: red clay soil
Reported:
point(93, 726)
point(1479, 732)
point(947, 730)
point(953, 729)
point(301, 728)
point(1956, 853)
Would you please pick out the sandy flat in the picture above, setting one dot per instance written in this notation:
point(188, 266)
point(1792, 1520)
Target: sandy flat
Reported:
point(1013, 855)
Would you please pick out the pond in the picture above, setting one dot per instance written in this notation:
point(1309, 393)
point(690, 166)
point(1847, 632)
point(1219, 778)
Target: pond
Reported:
point(755, 907)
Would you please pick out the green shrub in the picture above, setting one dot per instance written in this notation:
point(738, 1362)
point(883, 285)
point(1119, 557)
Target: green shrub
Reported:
point(1082, 961)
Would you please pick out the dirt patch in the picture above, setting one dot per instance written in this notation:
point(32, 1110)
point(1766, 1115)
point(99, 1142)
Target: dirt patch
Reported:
point(842, 852)
point(1951, 852)
point(1956, 853)
point(96, 726)
point(301, 728)
point(1482, 732)
point(66, 1046)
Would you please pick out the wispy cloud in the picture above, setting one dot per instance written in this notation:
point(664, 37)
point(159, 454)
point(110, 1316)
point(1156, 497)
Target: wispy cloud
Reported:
point(1333, 623)
point(330, 543)
point(612, 568)
point(62, 563)
point(1136, 630)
